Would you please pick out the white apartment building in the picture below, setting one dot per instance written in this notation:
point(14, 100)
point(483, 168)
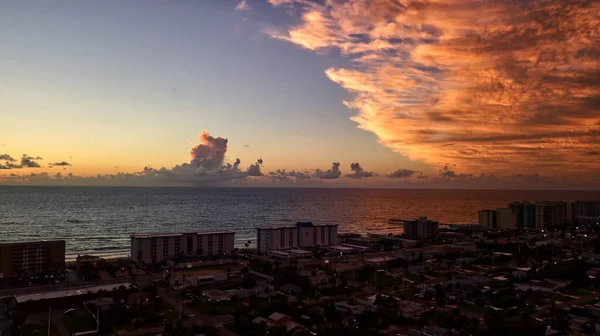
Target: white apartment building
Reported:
point(155, 248)
point(303, 234)
point(505, 218)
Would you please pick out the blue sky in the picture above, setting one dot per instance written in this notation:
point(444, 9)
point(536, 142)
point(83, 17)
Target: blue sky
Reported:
point(127, 84)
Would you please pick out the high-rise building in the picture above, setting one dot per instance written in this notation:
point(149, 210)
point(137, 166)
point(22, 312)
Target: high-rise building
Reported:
point(487, 219)
point(30, 258)
point(303, 234)
point(550, 214)
point(505, 218)
point(420, 229)
point(524, 214)
point(154, 248)
point(586, 212)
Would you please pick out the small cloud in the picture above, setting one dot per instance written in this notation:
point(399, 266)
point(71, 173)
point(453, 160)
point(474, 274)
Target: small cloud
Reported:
point(7, 157)
point(242, 6)
point(592, 153)
point(246, 146)
point(401, 173)
point(358, 172)
point(30, 161)
point(116, 167)
point(174, 90)
point(62, 163)
point(329, 174)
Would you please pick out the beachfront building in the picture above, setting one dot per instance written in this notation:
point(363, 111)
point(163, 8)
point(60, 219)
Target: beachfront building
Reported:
point(31, 258)
point(586, 212)
point(156, 248)
point(505, 219)
point(551, 214)
point(420, 229)
point(303, 234)
point(487, 219)
point(524, 214)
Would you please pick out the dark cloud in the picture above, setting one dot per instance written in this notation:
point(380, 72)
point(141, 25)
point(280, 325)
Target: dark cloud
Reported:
point(446, 172)
point(62, 163)
point(210, 153)
point(329, 174)
point(246, 146)
point(30, 161)
point(6, 157)
point(254, 169)
point(592, 153)
point(358, 172)
point(401, 174)
point(282, 174)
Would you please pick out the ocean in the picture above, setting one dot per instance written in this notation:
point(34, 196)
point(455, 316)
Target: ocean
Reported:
point(99, 220)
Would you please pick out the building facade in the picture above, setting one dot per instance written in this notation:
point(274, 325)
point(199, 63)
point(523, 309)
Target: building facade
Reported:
point(30, 258)
point(505, 219)
point(487, 219)
point(586, 212)
point(303, 234)
point(524, 214)
point(551, 214)
point(156, 248)
point(420, 229)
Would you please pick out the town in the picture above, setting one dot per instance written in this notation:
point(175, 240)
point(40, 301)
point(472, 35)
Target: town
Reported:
point(527, 269)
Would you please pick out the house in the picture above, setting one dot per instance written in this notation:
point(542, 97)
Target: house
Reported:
point(214, 295)
point(435, 331)
point(411, 309)
point(376, 262)
point(279, 319)
point(542, 286)
point(349, 309)
point(290, 288)
point(590, 258)
point(521, 273)
point(465, 246)
point(318, 278)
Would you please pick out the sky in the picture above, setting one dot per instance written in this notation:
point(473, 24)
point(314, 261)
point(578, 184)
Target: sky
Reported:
point(370, 93)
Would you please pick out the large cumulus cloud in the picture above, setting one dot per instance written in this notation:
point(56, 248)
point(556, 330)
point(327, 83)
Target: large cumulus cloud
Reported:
point(492, 85)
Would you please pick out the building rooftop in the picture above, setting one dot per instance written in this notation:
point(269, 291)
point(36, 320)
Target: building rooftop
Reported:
point(158, 235)
point(30, 242)
point(299, 224)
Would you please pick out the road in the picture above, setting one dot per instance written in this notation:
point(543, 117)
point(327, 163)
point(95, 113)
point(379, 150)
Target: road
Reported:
point(54, 287)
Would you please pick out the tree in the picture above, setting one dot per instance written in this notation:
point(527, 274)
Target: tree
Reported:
point(168, 328)
point(440, 294)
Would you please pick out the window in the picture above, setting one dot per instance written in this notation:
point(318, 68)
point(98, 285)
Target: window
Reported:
point(315, 235)
point(177, 245)
point(322, 235)
point(190, 245)
point(281, 238)
point(291, 237)
point(153, 248)
point(199, 249)
point(220, 244)
point(210, 244)
point(165, 248)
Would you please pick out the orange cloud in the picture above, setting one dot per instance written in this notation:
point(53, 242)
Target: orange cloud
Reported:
point(492, 86)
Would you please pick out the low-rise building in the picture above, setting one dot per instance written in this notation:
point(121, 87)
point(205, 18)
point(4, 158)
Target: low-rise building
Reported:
point(487, 219)
point(420, 229)
point(31, 258)
point(156, 248)
point(465, 246)
point(301, 235)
